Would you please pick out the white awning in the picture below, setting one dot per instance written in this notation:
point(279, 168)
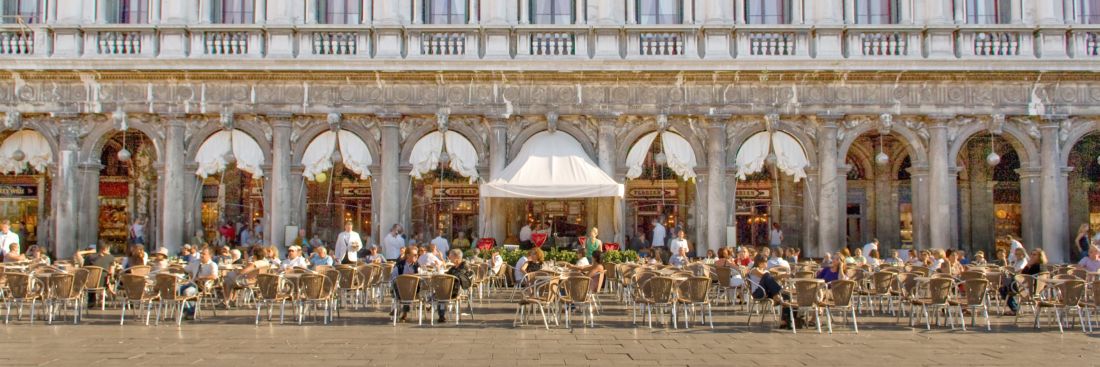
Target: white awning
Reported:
point(211, 155)
point(552, 165)
point(35, 148)
point(678, 154)
point(353, 152)
point(790, 158)
point(425, 155)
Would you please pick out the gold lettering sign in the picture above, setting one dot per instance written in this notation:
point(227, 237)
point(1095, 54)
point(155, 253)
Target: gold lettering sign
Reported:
point(653, 192)
point(458, 191)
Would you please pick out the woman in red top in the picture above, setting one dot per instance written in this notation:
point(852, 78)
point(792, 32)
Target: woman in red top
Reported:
point(743, 257)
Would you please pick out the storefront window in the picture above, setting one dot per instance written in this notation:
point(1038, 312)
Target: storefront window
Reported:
point(444, 200)
point(333, 201)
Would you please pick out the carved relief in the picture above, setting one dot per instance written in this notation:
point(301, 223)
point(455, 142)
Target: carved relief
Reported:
point(1028, 125)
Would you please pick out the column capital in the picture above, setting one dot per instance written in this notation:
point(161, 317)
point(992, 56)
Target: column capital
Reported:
point(390, 119)
point(90, 166)
point(605, 118)
point(280, 120)
point(939, 120)
point(829, 118)
point(1028, 172)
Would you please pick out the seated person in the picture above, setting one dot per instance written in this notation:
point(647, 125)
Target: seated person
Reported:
point(581, 259)
point(680, 259)
point(294, 259)
point(464, 278)
point(408, 266)
point(765, 286)
point(320, 257)
point(201, 271)
point(159, 260)
point(429, 259)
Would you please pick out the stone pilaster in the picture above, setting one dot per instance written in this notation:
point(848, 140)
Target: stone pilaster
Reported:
point(173, 185)
point(389, 193)
point(281, 194)
point(717, 198)
point(88, 233)
point(828, 231)
point(918, 186)
point(939, 184)
point(1030, 202)
point(1052, 178)
point(605, 153)
point(67, 188)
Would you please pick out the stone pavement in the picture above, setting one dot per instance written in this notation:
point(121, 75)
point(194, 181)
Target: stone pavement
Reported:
point(367, 338)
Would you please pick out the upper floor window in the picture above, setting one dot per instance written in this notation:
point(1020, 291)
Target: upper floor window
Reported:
point(127, 11)
point(26, 11)
point(339, 11)
point(233, 11)
point(768, 11)
point(446, 12)
point(1087, 11)
point(552, 11)
point(988, 11)
point(877, 11)
point(660, 11)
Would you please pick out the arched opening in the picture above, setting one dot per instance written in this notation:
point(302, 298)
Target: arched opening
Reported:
point(989, 193)
point(771, 191)
point(232, 191)
point(336, 169)
point(445, 193)
point(1084, 192)
point(660, 186)
point(127, 188)
point(879, 201)
point(25, 156)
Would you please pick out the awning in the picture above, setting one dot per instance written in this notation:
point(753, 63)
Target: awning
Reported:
point(790, 158)
point(678, 154)
point(425, 155)
point(211, 155)
point(353, 152)
point(552, 165)
point(35, 148)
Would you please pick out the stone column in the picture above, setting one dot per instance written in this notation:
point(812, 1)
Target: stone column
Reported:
point(605, 154)
point(1053, 183)
point(918, 187)
point(953, 202)
point(173, 185)
point(940, 185)
point(498, 159)
point(67, 189)
point(842, 200)
point(389, 181)
point(282, 198)
point(811, 244)
point(89, 203)
point(1030, 202)
point(717, 198)
point(828, 231)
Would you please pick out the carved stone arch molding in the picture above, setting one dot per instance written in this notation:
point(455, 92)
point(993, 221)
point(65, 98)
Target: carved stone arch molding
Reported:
point(1075, 129)
point(1020, 132)
point(207, 125)
point(471, 127)
point(308, 127)
point(913, 137)
point(41, 123)
point(691, 128)
point(741, 128)
point(105, 127)
point(580, 127)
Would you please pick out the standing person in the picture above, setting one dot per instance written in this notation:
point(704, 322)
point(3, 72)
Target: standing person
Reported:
point(245, 235)
point(775, 236)
point(441, 243)
point(525, 236)
point(1013, 244)
point(1082, 241)
point(680, 242)
point(658, 241)
point(347, 245)
point(7, 238)
point(228, 233)
point(137, 231)
point(592, 244)
point(873, 245)
point(392, 243)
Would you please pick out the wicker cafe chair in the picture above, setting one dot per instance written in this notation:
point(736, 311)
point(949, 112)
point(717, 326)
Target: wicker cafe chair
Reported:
point(135, 288)
point(443, 293)
point(759, 304)
point(541, 293)
point(807, 296)
point(67, 289)
point(881, 284)
point(1071, 296)
point(96, 284)
point(939, 296)
point(976, 297)
point(316, 290)
point(841, 292)
point(578, 294)
point(372, 283)
point(407, 287)
point(273, 290)
point(167, 287)
point(658, 293)
point(1093, 304)
point(24, 288)
point(695, 292)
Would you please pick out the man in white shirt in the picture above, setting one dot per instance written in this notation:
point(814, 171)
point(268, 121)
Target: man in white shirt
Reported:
point(203, 269)
point(429, 259)
point(392, 243)
point(581, 259)
point(775, 236)
point(7, 238)
point(873, 245)
point(1013, 244)
point(441, 243)
point(525, 235)
point(658, 242)
point(294, 258)
point(348, 244)
point(679, 244)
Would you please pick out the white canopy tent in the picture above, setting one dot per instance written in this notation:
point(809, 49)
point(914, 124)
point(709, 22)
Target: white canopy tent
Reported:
point(790, 158)
point(35, 148)
point(555, 166)
point(212, 153)
point(425, 155)
point(678, 154)
point(353, 152)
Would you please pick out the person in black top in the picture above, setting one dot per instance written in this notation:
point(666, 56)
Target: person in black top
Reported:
point(1034, 266)
point(463, 279)
point(409, 266)
point(535, 257)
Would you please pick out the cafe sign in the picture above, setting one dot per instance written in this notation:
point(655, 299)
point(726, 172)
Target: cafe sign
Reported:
point(653, 192)
point(753, 193)
point(18, 191)
point(355, 191)
point(458, 191)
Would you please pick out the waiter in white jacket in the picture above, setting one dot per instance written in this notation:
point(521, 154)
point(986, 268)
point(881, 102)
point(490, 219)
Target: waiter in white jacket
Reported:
point(348, 244)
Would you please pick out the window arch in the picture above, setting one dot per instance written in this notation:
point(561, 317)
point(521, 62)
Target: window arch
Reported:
point(27, 11)
point(233, 11)
point(127, 11)
point(446, 12)
point(877, 11)
point(660, 11)
point(552, 11)
point(339, 11)
point(768, 11)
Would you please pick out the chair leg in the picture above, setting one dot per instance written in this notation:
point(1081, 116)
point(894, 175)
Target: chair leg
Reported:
point(855, 322)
